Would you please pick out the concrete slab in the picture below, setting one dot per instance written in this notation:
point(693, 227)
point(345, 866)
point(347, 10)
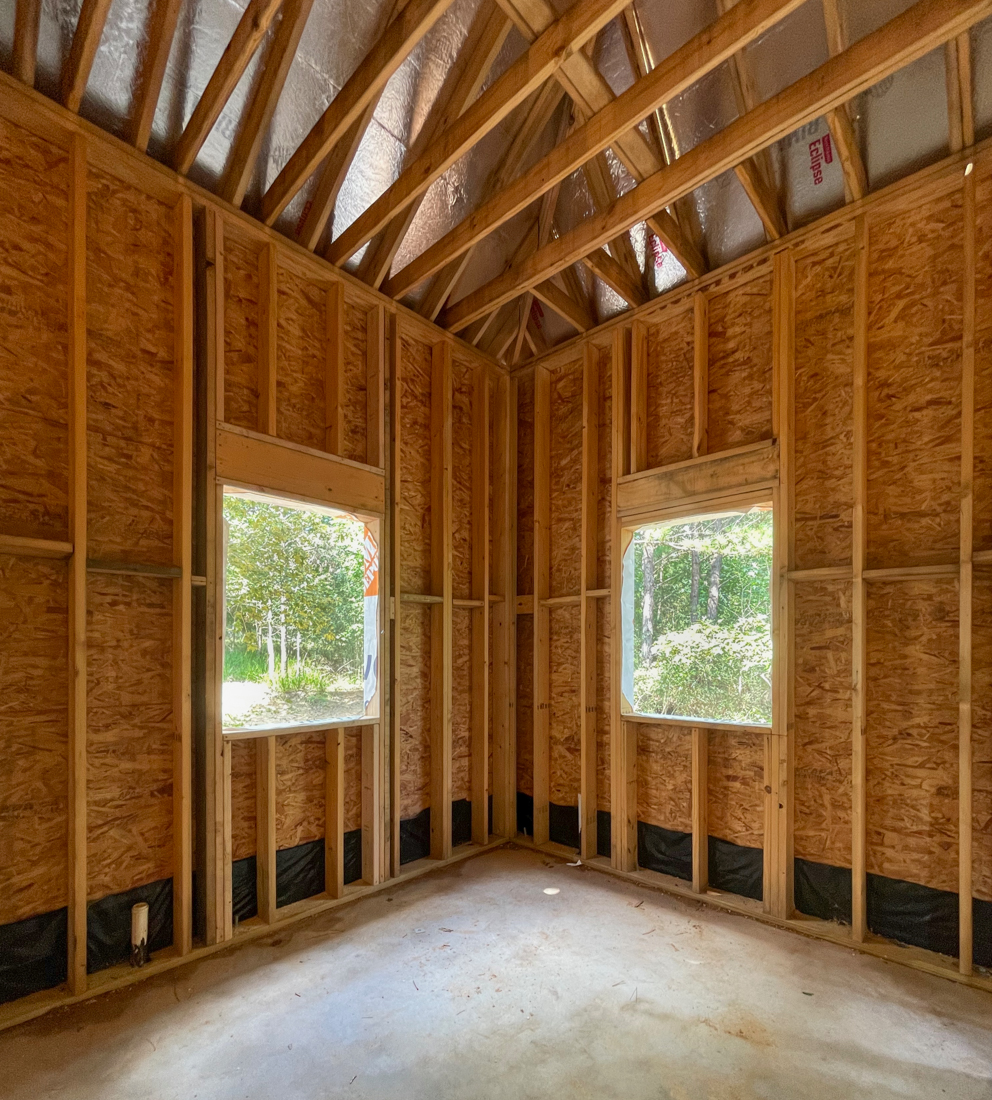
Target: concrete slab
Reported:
point(477, 983)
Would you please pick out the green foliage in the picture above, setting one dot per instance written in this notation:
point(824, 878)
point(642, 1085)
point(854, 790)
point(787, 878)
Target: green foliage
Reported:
point(302, 679)
point(296, 575)
point(245, 665)
point(702, 636)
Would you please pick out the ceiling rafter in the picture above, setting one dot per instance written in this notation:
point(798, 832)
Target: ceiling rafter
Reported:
point(528, 72)
point(960, 93)
point(476, 57)
point(161, 30)
point(536, 118)
point(591, 93)
point(676, 73)
point(367, 81)
point(85, 43)
point(27, 20)
point(265, 97)
point(925, 26)
point(839, 120)
point(755, 174)
point(247, 37)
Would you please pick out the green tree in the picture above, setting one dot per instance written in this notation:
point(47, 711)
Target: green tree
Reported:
point(702, 640)
point(293, 588)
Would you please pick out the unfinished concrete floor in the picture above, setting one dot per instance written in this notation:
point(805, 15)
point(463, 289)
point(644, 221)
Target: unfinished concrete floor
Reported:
point(476, 983)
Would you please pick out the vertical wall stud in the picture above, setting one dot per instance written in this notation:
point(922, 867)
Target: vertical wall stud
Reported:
point(265, 827)
point(700, 806)
point(77, 567)
point(441, 656)
point(503, 584)
point(965, 789)
point(182, 557)
point(623, 734)
point(859, 656)
point(700, 373)
point(480, 615)
point(542, 613)
point(588, 607)
point(375, 374)
point(334, 813)
point(638, 397)
point(393, 611)
point(334, 369)
point(218, 859)
point(371, 806)
point(268, 333)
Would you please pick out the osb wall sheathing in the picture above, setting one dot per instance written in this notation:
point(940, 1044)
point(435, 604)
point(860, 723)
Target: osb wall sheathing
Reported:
point(981, 733)
point(33, 736)
point(415, 576)
point(415, 708)
point(736, 787)
point(243, 795)
point(914, 383)
point(240, 333)
point(824, 396)
point(462, 447)
point(822, 685)
point(564, 634)
point(670, 355)
point(130, 369)
point(664, 776)
point(525, 704)
point(461, 704)
point(33, 351)
point(912, 739)
point(603, 673)
point(129, 740)
point(604, 498)
point(301, 360)
point(740, 365)
point(525, 583)
point(565, 514)
point(982, 488)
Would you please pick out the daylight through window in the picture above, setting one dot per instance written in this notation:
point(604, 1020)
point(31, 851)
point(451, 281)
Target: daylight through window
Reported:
point(301, 624)
point(697, 617)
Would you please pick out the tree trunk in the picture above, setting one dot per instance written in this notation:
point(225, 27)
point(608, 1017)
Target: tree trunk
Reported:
point(694, 591)
point(269, 646)
point(647, 604)
point(283, 655)
point(713, 603)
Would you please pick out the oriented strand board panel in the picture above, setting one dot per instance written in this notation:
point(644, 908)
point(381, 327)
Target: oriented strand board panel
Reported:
point(240, 334)
point(736, 778)
point(461, 704)
point(130, 369)
point(914, 383)
point(129, 731)
point(525, 483)
point(664, 776)
point(824, 397)
point(301, 360)
point(33, 346)
point(603, 672)
point(415, 469)
point(566, 479)
point(912, 788)
point(670, 421)
point(461, 487)
point(822, 669)
point(740, 365)
point(300, 788)
point(983, 365)
point(525, 703)
point(415, 708)
point(33, 736)
point(981, 733)
point(243, 798)
point(355, 388)
point(604, 501)
point(564, 636)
